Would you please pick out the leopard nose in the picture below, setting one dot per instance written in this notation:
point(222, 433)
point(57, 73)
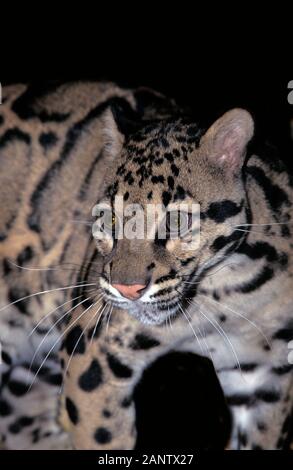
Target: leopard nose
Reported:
point(130, 291)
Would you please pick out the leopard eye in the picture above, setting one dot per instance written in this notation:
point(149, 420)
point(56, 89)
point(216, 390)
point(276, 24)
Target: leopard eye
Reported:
point(107, 221)
point(177, 223)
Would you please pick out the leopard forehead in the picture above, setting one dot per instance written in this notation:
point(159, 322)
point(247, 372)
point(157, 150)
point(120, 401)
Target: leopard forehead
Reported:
point(155, 163)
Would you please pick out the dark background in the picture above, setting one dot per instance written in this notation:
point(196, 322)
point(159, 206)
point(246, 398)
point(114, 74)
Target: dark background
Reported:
point(209, 93)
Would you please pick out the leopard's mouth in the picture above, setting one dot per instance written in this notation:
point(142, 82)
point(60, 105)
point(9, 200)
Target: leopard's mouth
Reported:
point(147, 309)
point(154, 313)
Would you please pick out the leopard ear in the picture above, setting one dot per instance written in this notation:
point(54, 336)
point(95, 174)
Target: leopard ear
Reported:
point(119, 121)
point(226, 140)
point(113, 139)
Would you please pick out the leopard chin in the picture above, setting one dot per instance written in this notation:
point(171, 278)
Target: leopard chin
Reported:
point(149, 313)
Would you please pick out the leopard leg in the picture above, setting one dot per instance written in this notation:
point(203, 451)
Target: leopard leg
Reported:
point(28, 392)
point(28, 415)
point(104, 418)
point(261, 403)
point(100, 377)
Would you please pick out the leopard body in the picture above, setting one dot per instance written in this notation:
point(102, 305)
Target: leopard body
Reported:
point(69, 147)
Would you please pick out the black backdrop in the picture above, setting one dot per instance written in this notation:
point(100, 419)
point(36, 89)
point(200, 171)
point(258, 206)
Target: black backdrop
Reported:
point(207, 91)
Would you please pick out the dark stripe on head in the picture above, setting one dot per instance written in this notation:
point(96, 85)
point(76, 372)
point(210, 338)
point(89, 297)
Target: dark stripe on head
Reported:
point(222, 210)
point(222, 241)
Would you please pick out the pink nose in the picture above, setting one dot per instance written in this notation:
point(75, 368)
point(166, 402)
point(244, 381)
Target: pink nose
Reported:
point(131, 292)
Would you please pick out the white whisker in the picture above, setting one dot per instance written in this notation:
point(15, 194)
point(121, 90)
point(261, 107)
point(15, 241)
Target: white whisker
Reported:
point(204, 340)
point(169, 318)
point(98, 320)
point(74, 270)
point(56, 342)
point(108, 321)
point(259, 233)
point(36, 268)
point(45, 292)
point(262, 225)
point(54, 310)
point(220, 330)
point(75, 346)
point(240, 315)
point(192, 329)
point(212, 274)
point(53, 326)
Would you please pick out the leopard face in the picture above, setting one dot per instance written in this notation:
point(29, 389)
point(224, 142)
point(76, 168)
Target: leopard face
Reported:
point(171, 164)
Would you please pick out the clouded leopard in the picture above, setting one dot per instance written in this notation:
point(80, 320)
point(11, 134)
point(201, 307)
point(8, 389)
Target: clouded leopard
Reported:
point(99, 307)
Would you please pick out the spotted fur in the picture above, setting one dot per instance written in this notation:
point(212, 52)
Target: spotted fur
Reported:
point(63, 150)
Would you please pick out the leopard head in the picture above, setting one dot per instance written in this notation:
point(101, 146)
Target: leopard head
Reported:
point(183, 179)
